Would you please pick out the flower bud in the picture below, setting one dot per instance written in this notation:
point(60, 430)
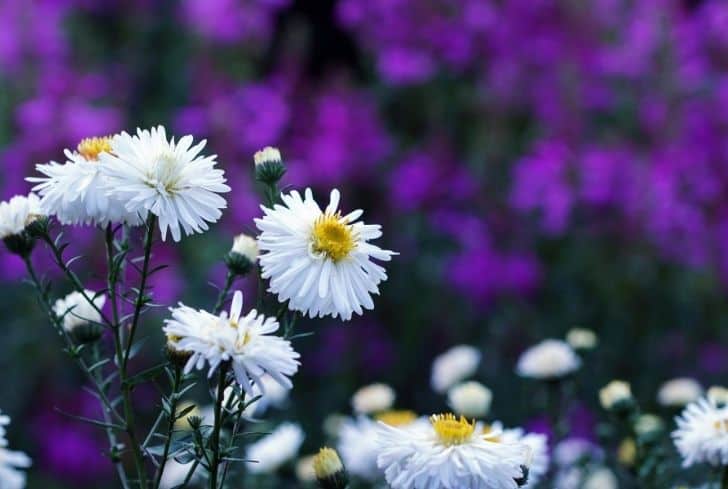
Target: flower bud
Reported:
point(243, 255)
point(616, 396)
point(80, 319)
point(582, 339)
point(648, 428)
point(718, 395)
point(174, 354)
point(329, 470)
point(269, 168)
point(679, 392)
point(627, 452)
point(20, 244)
point(470, 399)
point(373, 398)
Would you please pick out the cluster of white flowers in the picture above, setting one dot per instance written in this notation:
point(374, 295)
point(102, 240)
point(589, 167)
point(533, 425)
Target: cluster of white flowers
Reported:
point(11, 462)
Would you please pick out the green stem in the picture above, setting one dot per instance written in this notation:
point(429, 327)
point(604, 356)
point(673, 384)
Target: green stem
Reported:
point(724, 480)
point(170, 423)
point(229, 280)
point(215, 438)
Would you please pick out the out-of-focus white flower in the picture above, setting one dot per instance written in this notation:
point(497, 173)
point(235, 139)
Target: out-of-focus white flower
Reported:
point(679, 392)
point(11, 477)
point(17, 213)
point(247, 341)
point(572, 451)
point(76, 310)
point(373, 398)
point(470, 399)
point(648, 423)
point(550, 359)
point(702, 434)
point(320, 261)
point(582, 339)
point(614, 392)
point(453, 366)
point(269, 453)
point(450, 454)
point(152, 174)
point(538, 443)
point(718, 395)
point(601, 479)
point(271, 394)
point(77, 192)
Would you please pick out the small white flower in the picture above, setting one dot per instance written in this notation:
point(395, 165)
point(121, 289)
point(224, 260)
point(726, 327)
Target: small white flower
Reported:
point(550, 359)
point(702, 434)
point(76, 310)
point(601, 479)
point(246, 341)
point(450, 454)
point(267, 155)
point(17, 213)
point(538, 443)
point(456, 364)
point(718, 394)
point(77, 192)
point(470, 399)
point(648, 423)
point(168, 179)
point(581, 339)
point(614, 392)
point(318, 260)
point(246, 246)
point(11, 477)
point(373, 398)
point(679, 392)
point(272, 451)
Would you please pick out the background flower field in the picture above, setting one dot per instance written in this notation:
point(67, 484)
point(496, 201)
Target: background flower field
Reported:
point(538, 164)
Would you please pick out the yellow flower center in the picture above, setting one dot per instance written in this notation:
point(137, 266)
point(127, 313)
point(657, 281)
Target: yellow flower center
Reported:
point(451, 430)
point(721, 425)
point(397, 417)
point(332, 237)
point(90, 148)
point(488, 434)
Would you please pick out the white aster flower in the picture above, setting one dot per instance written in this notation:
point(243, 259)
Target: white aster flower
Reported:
point(602, 478)
point(152, 174)
point(702, 434)
point(550, 359)
point(679, 392)
point(451, 454)
point(268, 154)
point(538, 443)
point(373, 398)
point(456, 364)
point(17, 213)
point(582, 339)
point(76, 310)
point(470, 399)
point(320, 261)
point(272, 451)
point(247, 342)
point(77, 192)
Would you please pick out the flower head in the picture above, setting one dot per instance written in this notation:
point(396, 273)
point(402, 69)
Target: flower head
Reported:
point(329, 470)
point(456, 364)
point(15, 215)
point(614, 393)
point(318, 260)
point(702, 433)
point(373, 398)
point(582, 339)
point(80, 318)
point(679, 392)
point(243, 255)
point(246, 341)
point(471, 399)
point(170, 180)
point(11, 477)
point(272, 451)
point(550, 359)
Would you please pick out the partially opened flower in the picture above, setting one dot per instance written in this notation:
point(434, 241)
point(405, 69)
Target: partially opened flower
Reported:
point(246, 341)
point(80, 318)
point(76, 192)
point(451, 454)
point(702, 433)
point(548, 360)
point(319, 260)
point(272, 451)
point(15, 216)
point(170, 180)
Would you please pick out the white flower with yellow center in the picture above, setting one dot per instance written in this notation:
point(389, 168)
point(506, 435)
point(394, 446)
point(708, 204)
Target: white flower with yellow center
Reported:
point(451, 454)
point(171, 180)
point(456, 364)
point(320, 261)
point(679, 392)
point(550, 359)
point(17, 213)
point(246, 341)
point(702, 434)
point(77, 192)
point(272, 451)
point(373, 398)
point(537, 442)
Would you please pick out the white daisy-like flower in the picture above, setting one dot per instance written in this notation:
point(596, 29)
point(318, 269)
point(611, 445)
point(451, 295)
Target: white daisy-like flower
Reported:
point(679, 392)
point(77, 192)
point(538, 443)
point(11, 477)
point(453, 366)
point(550, 359)
point(246, 341)
point(702, 434)
point(272, 451)
point(373, 398)
point(17, 213)
point(470, 399)
point(171, 180)
point(318, 260)
point(451, 454)
point(76, 310)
